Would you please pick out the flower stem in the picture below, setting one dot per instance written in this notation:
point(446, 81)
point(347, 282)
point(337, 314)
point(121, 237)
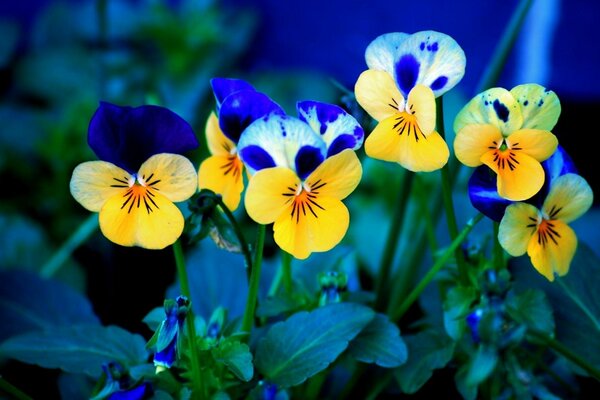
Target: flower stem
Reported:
point(499, 263)
point(184, 285)
point(14, 392)
point(89, 226)
point(463, 273)
point(392, 240)
point(286, 268)
point(240, 235)
point(248, 319)
point(437, 266)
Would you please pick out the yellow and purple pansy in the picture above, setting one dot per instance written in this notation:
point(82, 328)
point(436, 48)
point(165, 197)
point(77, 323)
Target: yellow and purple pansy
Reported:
point(302, 169)
point(238, 104)
point(406, 73)
point(509, 131)
point(140, 174)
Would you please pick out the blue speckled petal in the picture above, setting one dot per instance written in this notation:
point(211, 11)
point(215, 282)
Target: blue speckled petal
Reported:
point(281, 137)
point(128, 136)
point(240, 109)
point(483, 193)
point(339, 129)
point(381, 52)
point(429, 58)
point(223, 87)
point(256, 158)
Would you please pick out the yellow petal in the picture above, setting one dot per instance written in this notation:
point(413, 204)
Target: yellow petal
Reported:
point(337, 176)
point(223, 175)
point(473, 141)
point(173, 175)
point(520, 176)
point(94, 182)
point(421, 102)
point(217, 142)
point(569, 198)
point(378, 94)
point(552, 248)
point(536, 143)
point(315, 229)
point(425, 154)
point(383, 143)
point(270, 191)
point(495, 106)
point(142, 217)
point(518, 225)
point(540, 107)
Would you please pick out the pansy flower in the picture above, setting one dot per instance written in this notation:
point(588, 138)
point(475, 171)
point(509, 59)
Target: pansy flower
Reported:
point(406, 73)
point(167, 338)
point(238, 104)
point(509, 131)
point(302, 170)
point(544, 233)
point(140, 175)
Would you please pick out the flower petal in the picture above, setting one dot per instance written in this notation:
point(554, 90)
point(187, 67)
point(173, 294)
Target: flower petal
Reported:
point(338, 129)
point(569, 198)
point(337, 176)
point(240, 109)
point(517, 227)
point(424, 155)
point(429, 58)
point(495, 106)
point(94, 182)
point(127, 136)
point(381, 52)
point(282, 141)
point(518, 181)
point(560, 163)
point(151, 225)
point(555, 252)
point(377, 94)
point(217, 142)
point(383, 143)
point(536, 143)
point(304, 232)
point(223, 87)
point(473, 141)
point(174, 176)
point(483, 193)
point(421, 102)
point(540, 107)
point(223, 175)
point(267, 193)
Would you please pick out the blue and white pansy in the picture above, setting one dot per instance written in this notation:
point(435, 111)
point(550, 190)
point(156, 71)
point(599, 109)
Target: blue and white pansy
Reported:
point(301, 170)
point(406, 73)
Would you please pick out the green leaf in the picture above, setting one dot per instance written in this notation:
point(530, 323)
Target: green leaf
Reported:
point(77, 348)
point(307, 342)
point(482, 365)
point(427, 350)
point(237, 357)
point(531, 307)
point(379, 343)
point(456, 307)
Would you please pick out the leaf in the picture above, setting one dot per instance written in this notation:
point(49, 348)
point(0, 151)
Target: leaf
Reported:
point(237, 357)
point(427, 350)
point(456, 307)
point(532, 308)
point(77, 348)
point(379, 343)
point(482, 365)
point(307, 342)
point(28, 302)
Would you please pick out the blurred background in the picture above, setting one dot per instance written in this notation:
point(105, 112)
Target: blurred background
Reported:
point(58, 59)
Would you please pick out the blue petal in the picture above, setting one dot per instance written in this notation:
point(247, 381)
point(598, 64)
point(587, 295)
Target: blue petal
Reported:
point(484, 195)
point(558, 164)
point(167, 356)
point(407, 70)
point(140, 392)
point(339, 129)
point(223, 87)
point(256, 158)
point(307, 160)
point(281, 137)
point(381, 52)
point(242, 108)
point(128, 136)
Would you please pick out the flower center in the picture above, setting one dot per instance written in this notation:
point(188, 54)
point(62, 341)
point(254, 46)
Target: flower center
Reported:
point(140, 191)
point(304, 199)
point(406, 122)
point(505, 154)
point(233, 166)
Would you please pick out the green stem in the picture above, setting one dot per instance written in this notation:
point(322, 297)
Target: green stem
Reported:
point(198, 388)
point(437, 266)
point(563, 350)
point(286, 271)
point(248, 319)
point(389, 251)
point(498, 250)
point(89, 226)
point(424, 211)
point(502, 51)
point(240, 235)
point(380, 385)
point(463, 273)
point(14, 392)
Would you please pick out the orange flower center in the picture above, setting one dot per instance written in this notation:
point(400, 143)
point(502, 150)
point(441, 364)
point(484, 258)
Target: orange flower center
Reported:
point(407, 123)
point(140, 191)
point(303, 199)
point(505, 154)
point(233, 166)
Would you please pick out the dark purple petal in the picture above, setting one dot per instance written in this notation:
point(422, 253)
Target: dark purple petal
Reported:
point(484, 195)
point(128, 136)
point(223, 87)
point(240, 109)
point(143, 391)
point(340, 143)
point(407, 72)
point(256, 157)
point(167, 356)
point(307, 159)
